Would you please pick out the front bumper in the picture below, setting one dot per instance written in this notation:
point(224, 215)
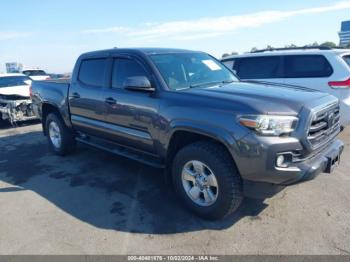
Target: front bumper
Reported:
point(256, 160)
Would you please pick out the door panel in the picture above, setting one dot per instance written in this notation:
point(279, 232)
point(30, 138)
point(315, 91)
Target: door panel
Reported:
point(86, 96)
point(132, 114)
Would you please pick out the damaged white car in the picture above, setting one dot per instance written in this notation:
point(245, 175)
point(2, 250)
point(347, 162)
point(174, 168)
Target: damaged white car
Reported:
point(15, 102)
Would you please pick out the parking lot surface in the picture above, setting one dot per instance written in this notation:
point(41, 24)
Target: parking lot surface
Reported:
point(92, 202)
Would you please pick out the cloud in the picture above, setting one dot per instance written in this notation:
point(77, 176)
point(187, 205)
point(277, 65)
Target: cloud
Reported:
point(8, 35)
point(211, 27)
point(115, 29)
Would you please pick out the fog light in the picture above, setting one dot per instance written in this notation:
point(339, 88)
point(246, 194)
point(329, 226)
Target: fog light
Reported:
point(280, 161)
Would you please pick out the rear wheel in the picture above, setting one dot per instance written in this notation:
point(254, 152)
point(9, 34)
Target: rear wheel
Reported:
point(60, 137)
point(207, 180)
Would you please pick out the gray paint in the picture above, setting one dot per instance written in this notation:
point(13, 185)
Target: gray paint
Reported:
point(147, 121)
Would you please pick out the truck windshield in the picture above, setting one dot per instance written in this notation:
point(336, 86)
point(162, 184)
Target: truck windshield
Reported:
point(14, 81)
point(347, 59)
point(186, 70)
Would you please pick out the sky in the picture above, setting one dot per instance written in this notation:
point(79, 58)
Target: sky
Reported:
point(52, 34)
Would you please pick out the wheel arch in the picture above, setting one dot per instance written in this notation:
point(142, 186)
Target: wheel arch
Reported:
point(186, 133)
point(46, 109)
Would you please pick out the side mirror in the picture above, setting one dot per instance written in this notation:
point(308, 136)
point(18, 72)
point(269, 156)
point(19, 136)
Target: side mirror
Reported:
point(138, 83)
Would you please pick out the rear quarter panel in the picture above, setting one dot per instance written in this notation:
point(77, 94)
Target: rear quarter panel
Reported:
point(54, 93)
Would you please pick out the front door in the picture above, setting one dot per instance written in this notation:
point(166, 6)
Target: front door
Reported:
point(132, 115)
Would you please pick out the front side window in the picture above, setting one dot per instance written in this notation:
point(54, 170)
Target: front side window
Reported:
point(302, 66)
point(14, 81)
point(123, 69)
point(92, 72)
point(261, 67)
point(185, 70)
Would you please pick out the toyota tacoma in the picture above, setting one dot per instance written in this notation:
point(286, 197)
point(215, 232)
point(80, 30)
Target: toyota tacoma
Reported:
point(186, 112)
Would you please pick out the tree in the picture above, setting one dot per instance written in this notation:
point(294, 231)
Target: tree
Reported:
point(348, 45)
point(227, 54)
point(290, 46)
point(254, 49)
point(329, 44)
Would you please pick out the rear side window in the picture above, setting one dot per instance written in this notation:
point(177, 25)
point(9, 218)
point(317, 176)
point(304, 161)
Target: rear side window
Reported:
point(261, 67)
point(123, 69)
point(347, 59)
point(302, 66)
point(92, 72)
point(14, 81)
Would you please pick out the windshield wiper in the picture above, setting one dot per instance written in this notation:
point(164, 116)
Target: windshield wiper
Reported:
point(211, 83)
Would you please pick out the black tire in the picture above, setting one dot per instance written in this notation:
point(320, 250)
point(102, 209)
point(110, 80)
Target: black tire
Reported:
point(228, 179)
point(68, 142)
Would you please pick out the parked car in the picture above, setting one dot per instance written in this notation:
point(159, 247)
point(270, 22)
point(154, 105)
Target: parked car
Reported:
point(186, 112)
point(36, 74)
point(321, 68)
point(15, 102)
point(59, 76)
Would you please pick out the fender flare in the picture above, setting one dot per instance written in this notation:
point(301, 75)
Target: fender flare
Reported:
point(215, 132)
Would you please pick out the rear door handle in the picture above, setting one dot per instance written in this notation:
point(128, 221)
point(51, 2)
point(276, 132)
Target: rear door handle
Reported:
point(110, 101)
point(75, 95)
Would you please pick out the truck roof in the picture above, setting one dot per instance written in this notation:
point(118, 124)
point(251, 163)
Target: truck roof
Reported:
point(144, 50)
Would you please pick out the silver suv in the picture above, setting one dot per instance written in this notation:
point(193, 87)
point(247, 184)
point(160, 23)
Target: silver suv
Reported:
point(321, 68)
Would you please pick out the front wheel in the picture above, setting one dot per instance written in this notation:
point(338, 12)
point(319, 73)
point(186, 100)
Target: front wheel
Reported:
point(206, 179)
point(60, 137)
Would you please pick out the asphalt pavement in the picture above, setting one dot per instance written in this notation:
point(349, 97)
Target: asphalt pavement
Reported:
point(92, 202)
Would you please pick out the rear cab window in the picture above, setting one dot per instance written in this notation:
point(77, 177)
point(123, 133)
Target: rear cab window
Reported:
point(259, 67)
point(92, 72)
point(306, 66)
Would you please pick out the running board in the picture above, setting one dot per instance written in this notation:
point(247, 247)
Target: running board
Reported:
point(122, 151)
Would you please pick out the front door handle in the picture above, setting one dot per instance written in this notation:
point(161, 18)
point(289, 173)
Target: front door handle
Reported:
point(110, 100)
point(75, 95)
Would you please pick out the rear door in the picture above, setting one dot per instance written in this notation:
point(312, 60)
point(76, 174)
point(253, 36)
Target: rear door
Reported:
point(87, 106)
point(260, 68)
point(131, 115)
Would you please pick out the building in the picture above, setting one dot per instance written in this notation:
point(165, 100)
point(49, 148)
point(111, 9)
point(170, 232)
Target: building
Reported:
point(14, 67)
point(344, 34)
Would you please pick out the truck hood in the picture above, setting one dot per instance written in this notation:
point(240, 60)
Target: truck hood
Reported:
point(15, 90)
point(264, 98)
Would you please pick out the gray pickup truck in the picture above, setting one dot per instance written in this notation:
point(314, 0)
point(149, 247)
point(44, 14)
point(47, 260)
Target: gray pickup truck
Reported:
point(186, 112)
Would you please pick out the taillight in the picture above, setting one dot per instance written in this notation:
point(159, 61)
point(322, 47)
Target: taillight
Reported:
point(340, 84)
point(30, 92)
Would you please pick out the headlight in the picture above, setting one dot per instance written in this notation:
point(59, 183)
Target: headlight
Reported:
point(270, 125)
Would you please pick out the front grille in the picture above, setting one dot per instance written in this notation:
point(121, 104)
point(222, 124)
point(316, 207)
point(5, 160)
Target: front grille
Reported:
point(324, 126)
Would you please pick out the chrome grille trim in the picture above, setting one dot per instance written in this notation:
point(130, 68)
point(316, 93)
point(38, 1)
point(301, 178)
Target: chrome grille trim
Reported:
point(324, 125)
